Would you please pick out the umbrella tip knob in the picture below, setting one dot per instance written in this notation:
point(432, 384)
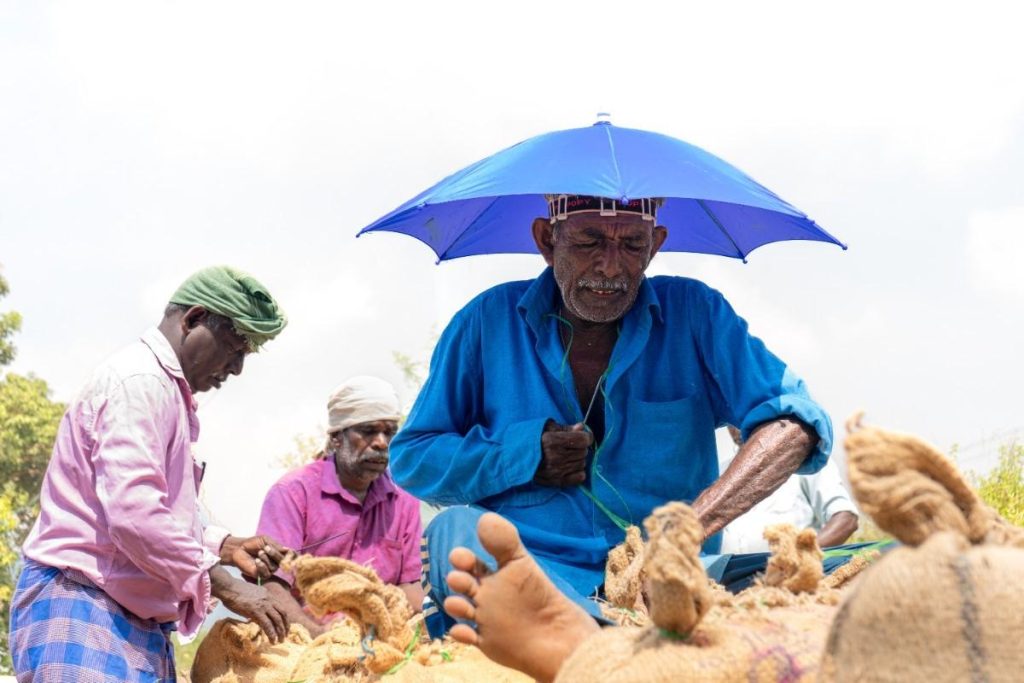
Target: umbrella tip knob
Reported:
point(603, 119)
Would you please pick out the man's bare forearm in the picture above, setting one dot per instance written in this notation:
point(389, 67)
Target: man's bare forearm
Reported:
point(771, 455)
point(414, 594)
point(837, 529)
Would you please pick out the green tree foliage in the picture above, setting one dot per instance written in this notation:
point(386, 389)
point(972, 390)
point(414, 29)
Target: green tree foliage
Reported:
point(1003, 486)
point(308, 447)
point(10, 323)
point(28, 427)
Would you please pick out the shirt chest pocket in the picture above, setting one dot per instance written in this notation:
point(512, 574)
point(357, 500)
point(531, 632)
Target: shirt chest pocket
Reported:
point(670, 447)
point(390, 556)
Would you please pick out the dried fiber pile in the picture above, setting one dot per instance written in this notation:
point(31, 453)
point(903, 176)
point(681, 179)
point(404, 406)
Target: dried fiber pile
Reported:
point(379, 641)
point(950, 605)
point(702, 633)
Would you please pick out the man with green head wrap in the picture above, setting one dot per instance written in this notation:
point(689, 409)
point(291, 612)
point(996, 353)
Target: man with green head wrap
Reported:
point(238, 297)
point(118, 556)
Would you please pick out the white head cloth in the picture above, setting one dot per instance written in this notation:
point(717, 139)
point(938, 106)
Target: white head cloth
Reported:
point(361, 399)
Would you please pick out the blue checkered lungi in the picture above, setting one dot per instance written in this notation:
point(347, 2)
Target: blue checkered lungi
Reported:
point(64, 628)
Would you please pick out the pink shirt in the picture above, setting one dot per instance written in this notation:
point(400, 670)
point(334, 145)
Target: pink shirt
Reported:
point(309, 504)
point(119, 498)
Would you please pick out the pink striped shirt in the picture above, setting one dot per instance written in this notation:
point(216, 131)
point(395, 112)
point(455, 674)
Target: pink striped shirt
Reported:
point(309, 508)
point(119, 498)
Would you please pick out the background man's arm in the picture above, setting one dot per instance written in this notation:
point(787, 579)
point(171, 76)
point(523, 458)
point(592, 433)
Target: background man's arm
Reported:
point(837, 529)
point(414, 594)
point(771, 454)
point(834, 511)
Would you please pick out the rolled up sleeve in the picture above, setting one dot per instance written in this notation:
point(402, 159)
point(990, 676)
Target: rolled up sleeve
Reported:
point(751, 385)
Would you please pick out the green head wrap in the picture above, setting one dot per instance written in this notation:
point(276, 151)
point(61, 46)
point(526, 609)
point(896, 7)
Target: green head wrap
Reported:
point(235, 295)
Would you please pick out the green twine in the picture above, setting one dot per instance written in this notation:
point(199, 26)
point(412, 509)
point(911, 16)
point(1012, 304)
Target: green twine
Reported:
point(408, 652)
point(595, 470)
point(672, 635)
point(857, 552)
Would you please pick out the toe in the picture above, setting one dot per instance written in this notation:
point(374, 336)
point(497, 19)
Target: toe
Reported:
point(464, 634)
point(462, 582)
point(459, 607)
point(463, 559)
point(500, 538)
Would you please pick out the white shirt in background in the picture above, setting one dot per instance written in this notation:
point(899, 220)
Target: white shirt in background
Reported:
point(803, 501)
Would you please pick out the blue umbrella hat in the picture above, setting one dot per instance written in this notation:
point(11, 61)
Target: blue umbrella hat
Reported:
point(708, 205)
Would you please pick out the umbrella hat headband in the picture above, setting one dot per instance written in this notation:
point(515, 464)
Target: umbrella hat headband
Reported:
point(561, 206)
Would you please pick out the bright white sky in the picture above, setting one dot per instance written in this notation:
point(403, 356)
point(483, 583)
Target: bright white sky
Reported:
point(140, 141)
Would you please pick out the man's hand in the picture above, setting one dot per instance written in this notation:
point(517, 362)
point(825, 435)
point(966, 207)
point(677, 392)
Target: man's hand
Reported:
point(252, 602)
point(256, 556)
point(563, 459)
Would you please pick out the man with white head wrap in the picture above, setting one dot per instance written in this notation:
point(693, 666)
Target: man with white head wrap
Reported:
point(344, 504)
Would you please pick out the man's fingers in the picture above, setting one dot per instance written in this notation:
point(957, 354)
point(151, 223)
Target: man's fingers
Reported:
point(270, 563)
point(246, 564)
point(280, 625)
point(567, 439)
point(574, 479)
point(267, 625)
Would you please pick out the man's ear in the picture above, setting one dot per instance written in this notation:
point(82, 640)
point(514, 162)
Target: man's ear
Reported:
point(660, 234)
point(544, 237)
point(193, 317)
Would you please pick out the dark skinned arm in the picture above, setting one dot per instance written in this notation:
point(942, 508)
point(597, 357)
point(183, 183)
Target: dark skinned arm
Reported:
point(837, 529)
point(414, 594)
point(768, 458)
point(249, 601)
point(282, 597)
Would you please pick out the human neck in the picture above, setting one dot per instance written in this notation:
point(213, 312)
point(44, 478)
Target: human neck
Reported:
point(587, 332)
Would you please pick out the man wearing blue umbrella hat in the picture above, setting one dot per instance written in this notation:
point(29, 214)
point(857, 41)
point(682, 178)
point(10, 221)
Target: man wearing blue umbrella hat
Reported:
point(576, 403)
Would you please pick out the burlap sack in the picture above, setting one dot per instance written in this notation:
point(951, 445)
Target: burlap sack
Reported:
point(783, 644)
point(624, 572)
point(945, 611)
point(795, 562)
point(393, 651)
point(238, 652)
point(331, 584)
point(912, 490)
point(951, 609)
point(700, 634)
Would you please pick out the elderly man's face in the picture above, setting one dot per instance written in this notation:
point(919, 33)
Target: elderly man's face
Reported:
point(210, 351)
point(599, 261)
point(362, 451)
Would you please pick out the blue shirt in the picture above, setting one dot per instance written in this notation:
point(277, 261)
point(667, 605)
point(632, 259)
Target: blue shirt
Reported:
point(683, 365)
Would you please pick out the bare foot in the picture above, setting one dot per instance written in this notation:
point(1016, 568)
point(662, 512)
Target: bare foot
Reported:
point(523, 621)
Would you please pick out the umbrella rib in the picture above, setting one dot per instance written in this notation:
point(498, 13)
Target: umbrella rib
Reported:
point(615, 161)
point(700, 202)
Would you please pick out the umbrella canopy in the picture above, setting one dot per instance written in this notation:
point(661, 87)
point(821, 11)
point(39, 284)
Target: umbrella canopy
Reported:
point(710, 206)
